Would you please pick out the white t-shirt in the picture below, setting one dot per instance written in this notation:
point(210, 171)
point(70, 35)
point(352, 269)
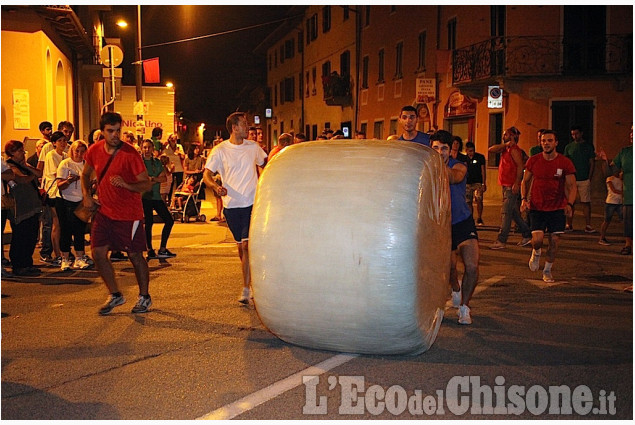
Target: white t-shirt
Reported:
point(612, 197)
point(236, 165)
point(67, 167)
point(48, 146)
point(49, 174)
point(174, 157)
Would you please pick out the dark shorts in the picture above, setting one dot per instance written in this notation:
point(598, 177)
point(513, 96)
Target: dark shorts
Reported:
point(628, 221)
point(547, 221)
point(238, 220)
point(462, 231)
point(50, 202)
point(117, 235)
point(610, 210)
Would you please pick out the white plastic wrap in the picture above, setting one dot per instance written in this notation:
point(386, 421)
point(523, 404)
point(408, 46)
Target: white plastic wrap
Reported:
point(350, 246)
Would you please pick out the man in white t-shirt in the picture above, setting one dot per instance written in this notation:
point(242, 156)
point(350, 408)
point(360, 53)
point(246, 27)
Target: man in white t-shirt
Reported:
point(236, 160)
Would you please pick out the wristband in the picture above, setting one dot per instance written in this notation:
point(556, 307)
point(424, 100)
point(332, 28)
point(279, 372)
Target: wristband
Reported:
point(570, 204)
point(523, 199)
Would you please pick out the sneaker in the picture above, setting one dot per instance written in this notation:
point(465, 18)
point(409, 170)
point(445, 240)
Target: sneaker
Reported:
point(464, 315)
point(81, 263)
point(164, 253)
point(152, 255)
point(56, 262)
point(46, 259)
point(6, 273)
point(479, 222)
point(456, 299)
point(65, 265)
point(589, 229)
point(568, 229)
point(112, 302)
point(117, 256)
point(534, 261)
point(142, 305)
point(547, 277)
point(497, 245)
point(604, 242)
point(524, 242)
point(27, 271)
point(244, 297)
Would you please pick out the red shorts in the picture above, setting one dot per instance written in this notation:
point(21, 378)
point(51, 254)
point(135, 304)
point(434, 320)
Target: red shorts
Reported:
point(117, 235)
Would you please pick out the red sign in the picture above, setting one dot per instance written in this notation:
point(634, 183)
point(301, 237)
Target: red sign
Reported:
point(459, 105)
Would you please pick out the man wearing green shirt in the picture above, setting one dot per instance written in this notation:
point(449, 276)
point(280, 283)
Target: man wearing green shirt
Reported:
point(582, 154)
point(537, 149)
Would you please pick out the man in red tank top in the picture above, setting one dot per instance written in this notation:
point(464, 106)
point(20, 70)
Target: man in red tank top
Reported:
point(510, 174)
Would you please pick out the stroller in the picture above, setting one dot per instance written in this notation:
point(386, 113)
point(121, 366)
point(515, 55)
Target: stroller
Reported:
point(188, 196)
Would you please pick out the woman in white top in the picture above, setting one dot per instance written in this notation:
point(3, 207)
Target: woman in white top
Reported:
point(174, 151)
point(70, 188)
point(49, 175)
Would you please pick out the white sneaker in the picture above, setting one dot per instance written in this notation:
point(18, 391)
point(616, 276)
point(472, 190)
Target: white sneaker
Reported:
point(524, 242)
point(534, 261)
point(456, 299)
point(244, 297)
point(464, 315)
point(547, 277)
point(65, 265)
point(81, 263)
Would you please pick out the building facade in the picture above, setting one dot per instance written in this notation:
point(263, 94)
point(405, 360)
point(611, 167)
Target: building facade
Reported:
point(471, 70)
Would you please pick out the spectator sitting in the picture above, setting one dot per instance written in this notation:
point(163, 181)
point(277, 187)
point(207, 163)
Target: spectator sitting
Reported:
point(190, 185)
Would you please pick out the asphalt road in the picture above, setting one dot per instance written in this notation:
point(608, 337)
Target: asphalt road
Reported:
point(200, 354)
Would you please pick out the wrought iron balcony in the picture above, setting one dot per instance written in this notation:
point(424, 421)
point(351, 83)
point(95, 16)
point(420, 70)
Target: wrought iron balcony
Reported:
point(337, 89)
point(536, 56)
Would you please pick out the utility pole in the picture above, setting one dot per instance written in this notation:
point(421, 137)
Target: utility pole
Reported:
point(138, 65)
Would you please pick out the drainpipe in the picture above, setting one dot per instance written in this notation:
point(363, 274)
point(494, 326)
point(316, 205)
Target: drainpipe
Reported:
point(76, 89)
point(358, 52)
point(435, 107)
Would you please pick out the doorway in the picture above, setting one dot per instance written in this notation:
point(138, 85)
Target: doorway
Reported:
point(565, 114)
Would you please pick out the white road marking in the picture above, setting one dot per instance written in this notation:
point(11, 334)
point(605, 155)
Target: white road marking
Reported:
point(230, 411)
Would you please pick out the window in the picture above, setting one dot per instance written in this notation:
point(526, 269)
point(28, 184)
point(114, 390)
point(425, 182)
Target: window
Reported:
point(300, 41)
point(399, 60)
point(367, 16)
point(311, 29)
point(378, 130)
point(282, 93)
point(365, 63)
point(314, 75)
point(380, 79)
point(452, 34)
point(306, 83)
point(363, 128)
point(393, 126)
point(346, 12)
point(497, 19)
point(326, 19)
point(393, 9)
point(326, 69)
point(289, 89)
point(282, 53)
point(275, 95)
point(345, 63)
point(422, 51)
point(289, 49)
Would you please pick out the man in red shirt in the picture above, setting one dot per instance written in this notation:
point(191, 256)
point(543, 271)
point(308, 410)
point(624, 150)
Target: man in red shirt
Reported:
point(118, 224)
point(548, 192)
point(510, 175)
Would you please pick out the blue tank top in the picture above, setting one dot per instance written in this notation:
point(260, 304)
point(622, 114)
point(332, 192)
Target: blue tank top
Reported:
point(460, 209)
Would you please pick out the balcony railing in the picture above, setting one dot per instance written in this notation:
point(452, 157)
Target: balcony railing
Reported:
point(542, 56)
point(337, 89)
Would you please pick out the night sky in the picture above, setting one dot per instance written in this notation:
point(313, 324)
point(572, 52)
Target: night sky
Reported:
point(209, 73)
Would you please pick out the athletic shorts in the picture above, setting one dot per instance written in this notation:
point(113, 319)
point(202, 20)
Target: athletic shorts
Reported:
point(610, 210)
point(547, 221)
point(238, 220)
point(473, 191)
point(128, 236)
point(462, 231)
point(584, 190)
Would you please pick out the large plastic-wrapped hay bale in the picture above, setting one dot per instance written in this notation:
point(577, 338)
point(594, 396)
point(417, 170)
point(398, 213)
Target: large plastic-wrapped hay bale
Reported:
point(350, 246)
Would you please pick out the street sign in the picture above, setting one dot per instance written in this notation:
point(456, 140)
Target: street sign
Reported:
point(141, 108)
point(494, 97)
point(111, 53)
